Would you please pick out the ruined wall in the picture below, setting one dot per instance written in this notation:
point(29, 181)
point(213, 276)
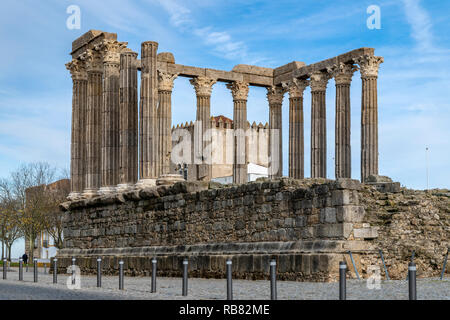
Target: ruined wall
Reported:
point(409, 220)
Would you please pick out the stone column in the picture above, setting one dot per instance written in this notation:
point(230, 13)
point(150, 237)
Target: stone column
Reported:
point(148, 126)
point(128, 121)
point(165, 86)
point(296, 128)
point(94, 67)
point(369, 115)
point(318, 84)
point(110, 115)
point(203, 88)
point(275, 98)
point(78, 72)
point(342, 74)
point(239, 90)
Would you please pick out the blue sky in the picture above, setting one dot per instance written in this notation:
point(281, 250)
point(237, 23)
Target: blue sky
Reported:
point(414, 84)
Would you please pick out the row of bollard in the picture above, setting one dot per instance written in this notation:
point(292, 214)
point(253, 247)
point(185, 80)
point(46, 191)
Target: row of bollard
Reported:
point(273, 285)
point(412, 281)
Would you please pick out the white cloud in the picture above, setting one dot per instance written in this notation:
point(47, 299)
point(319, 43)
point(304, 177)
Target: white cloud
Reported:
point(221, 42)
point(420, 23)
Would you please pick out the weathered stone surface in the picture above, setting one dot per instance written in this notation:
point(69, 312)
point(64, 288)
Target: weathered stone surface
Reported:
point(377, 179)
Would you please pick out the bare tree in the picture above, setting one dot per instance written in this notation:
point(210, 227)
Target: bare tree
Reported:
point(10, 222)
point(27, 185)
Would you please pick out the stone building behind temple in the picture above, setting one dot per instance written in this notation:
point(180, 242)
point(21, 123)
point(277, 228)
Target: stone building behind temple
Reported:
point(222, 151)
point(44, 246)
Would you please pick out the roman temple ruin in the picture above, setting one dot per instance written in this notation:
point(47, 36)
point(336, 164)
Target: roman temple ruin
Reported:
point(128, 199)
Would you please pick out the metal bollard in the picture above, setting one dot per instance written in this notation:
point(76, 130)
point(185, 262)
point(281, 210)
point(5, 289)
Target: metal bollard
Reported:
point(20, 269)
point(444, 266)
point(73, 270)
point(273, 279)
point(99, 272)
point(412, 260)
point(35, 270)
point(120, 275)
point(55, 270)
point(5, 266)
point(185, 277)
point(342, 280)
point(26, 265)
point(229, 280)
point(412, 281)
point(153, 275)
point(45, 268)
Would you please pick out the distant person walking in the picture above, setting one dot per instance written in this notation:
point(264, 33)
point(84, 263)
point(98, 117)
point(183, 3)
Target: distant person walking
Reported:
point(25, 258)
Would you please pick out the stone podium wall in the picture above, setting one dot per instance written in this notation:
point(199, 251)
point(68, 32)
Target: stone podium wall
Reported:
point(261, 211)
point(312, 222)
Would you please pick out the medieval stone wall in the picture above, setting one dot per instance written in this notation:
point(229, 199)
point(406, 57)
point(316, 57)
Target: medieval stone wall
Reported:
point(407, 221)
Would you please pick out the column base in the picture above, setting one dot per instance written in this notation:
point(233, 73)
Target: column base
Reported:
point(169, 179)
point(74, 196)
point(123, 187)
point(144, 183)
point(106, 190)
point(90, 193)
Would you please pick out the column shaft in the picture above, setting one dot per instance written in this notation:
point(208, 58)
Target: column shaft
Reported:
point(369, 115)
point(204, 136)
point(296, 138)
point(93, 131)
point(369, 128)
point(128, 123)
point(295, 87)
point(342, 132)
point(318, 135)
point(165, 135)
point(148, 125)
point(275, 141)
point(240, 153)
point(110, 128)
point(79, 101)
point(239, 91)
point(275, 98)
point(318, 83)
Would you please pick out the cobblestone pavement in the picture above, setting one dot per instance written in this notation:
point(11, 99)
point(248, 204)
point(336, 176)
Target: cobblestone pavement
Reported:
point(200, 289)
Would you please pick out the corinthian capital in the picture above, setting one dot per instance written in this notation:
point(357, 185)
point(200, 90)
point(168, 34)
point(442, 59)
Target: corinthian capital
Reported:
point(342, 72)
point(319, 80)
point(165, 80)
point(77, 69)
point(275, 95)
point(93, 60)
point(110, 50)
point(203, 85)
point(239, 90)
point(295, 87)
point(369, 65)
